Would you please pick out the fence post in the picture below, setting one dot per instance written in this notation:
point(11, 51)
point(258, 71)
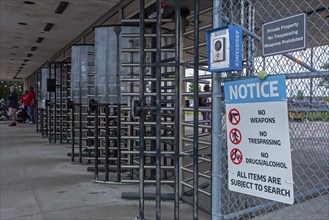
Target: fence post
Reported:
point(216, 127)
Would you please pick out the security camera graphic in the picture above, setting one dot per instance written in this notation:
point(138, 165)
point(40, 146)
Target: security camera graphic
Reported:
point(219, 49)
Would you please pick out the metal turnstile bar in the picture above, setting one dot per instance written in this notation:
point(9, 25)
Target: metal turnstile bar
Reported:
point(149, 181)
point(147, 94)
point(146, 79)
point(163, 153)
point(203, 28)
point(154, 50)
point(145, 20)
point(133, 35)
point(199, 190)
point(200, 109)
point(200, 94)
point(203, 44)
point(192, 124)
point(204, 11)
point(146, 123)
point(200, 142)
point(134, 137)
point(200, 174)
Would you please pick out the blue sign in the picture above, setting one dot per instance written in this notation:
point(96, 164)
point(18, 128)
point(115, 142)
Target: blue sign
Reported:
point(272, 89)
point(224, 49)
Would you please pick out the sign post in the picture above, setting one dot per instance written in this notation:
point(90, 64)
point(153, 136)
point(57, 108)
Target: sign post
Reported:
point(259, 156)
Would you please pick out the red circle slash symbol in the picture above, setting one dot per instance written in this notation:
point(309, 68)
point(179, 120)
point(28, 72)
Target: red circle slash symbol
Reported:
point(236, 156)
point(235, 136)
point(234, 116)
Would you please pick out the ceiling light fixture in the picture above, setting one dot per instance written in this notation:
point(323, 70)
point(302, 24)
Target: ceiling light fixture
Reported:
point(29, 55)
point(29, 2)
point(33, 48)
point(48, 26)
point(15, 77)
point(23, 64)
point(40, 39)
point(22, 23)
point(61, 7)
point(26, 60)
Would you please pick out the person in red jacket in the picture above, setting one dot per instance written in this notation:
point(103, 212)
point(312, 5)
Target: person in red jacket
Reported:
point(24, 104)
point(31, 104)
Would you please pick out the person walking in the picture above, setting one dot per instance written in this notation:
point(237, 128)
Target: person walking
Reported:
point(23, 100)
point(31, 104)
point(204, 101)
point(12, 105)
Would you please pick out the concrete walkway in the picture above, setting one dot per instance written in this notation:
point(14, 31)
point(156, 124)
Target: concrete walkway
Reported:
point(39, 182)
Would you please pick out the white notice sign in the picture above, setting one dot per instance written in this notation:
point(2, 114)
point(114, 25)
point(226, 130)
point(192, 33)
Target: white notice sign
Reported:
point(259, 156)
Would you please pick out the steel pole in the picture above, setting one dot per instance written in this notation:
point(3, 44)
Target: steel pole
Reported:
point(55, 101)
point(216, 128)
point(96, 133)
point(196, 113)
point(80, 132)
point(142, 112)
point(158, 112)
point(72, 133)
point(107, 144)
point(177, 106)
point(61, 103)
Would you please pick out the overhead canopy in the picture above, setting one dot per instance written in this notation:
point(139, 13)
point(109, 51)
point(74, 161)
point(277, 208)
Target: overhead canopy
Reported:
point(24, 24)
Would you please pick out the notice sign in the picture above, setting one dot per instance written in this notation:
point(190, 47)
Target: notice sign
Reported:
point(259, 156)
point(284, 35)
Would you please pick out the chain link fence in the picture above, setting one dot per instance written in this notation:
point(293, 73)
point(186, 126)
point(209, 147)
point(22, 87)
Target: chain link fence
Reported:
point(307, 80)
point(308, 106)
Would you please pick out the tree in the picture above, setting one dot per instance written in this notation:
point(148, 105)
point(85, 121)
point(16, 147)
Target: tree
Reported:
point(191, 89)
point(300, 95)
point(325, 66)
point(325, 81)
point(5, 86)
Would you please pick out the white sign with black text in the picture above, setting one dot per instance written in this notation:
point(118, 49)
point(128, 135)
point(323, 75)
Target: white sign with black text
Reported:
point(259, 155)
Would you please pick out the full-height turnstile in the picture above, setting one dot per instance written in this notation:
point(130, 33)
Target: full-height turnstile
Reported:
point(196, 138)
point(113, 160)
point(83, 89)
point(154, 77)
point(195, 130)
point(42, 117)
point(58, 88)
point(136, 107)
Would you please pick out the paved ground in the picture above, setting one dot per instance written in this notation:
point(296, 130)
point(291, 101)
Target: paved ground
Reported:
point(317, 208)
point(39, 182)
